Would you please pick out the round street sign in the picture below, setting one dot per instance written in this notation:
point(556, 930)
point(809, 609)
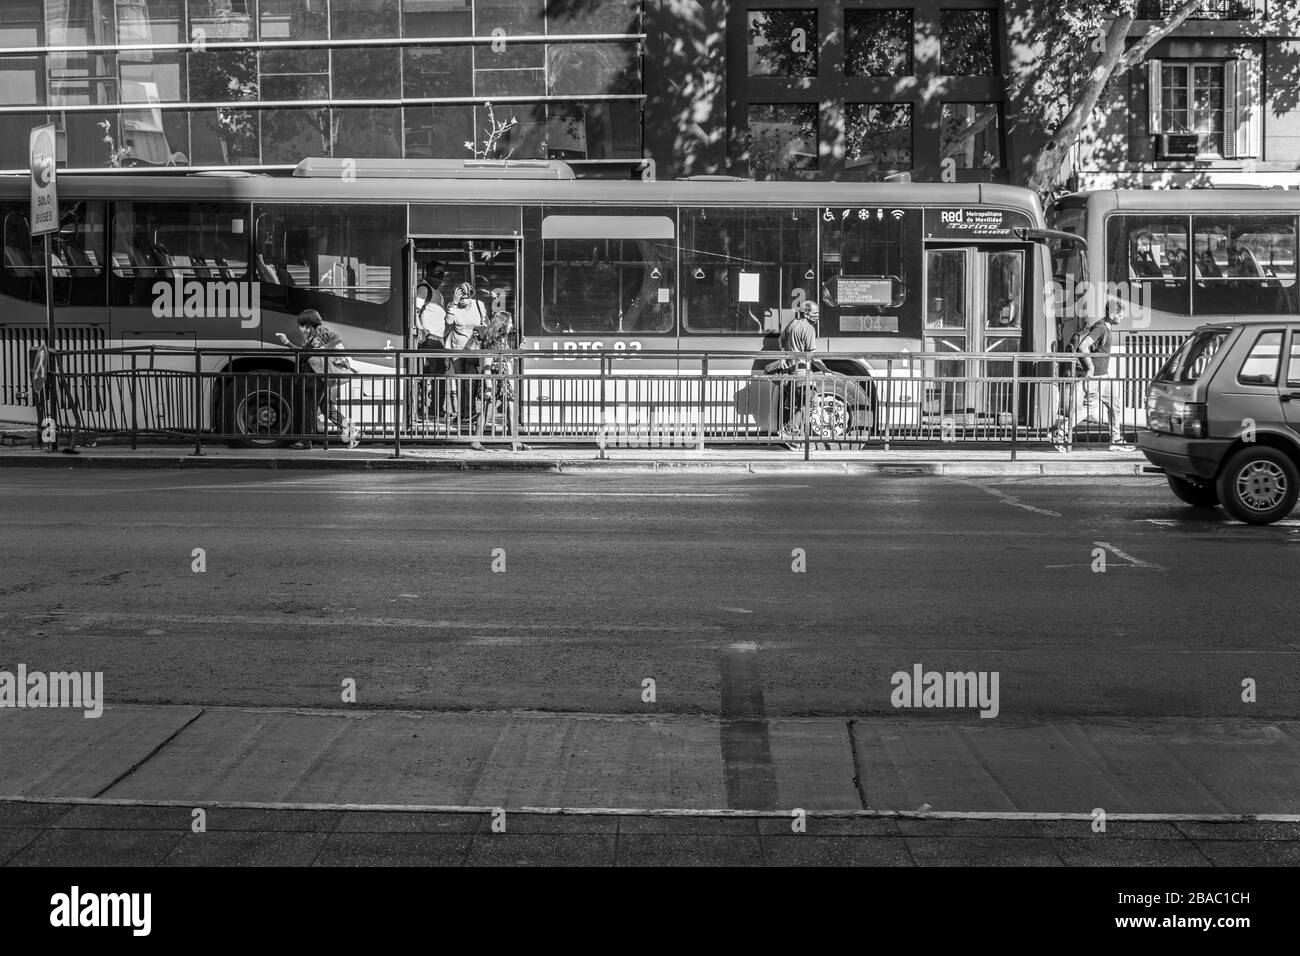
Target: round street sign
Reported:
point(45, 199)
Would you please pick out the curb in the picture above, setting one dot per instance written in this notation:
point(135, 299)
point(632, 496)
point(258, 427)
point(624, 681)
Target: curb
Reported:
point(963, 469)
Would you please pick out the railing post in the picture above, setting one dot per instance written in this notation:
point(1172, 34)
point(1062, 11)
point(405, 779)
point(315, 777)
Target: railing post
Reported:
point(398, 416)
point(806, 369)
point(135, 413)
point(326, 440)
point(704, 386)
point(1015, 405)
point(604, 418)
point(889, 399)
point(198, 402)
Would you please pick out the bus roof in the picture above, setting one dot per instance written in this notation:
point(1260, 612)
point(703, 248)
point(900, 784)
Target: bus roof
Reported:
point(1184, 200)
point(401, 189)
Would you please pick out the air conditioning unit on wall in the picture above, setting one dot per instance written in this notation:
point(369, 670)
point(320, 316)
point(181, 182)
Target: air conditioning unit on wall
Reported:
point(1177, 146)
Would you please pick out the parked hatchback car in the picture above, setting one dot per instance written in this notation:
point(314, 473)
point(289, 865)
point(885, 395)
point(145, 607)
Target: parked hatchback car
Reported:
point(1223, 419)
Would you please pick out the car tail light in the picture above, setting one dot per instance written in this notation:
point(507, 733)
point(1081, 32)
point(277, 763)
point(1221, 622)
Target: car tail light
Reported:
point(1176, 418)
point(1187, 418)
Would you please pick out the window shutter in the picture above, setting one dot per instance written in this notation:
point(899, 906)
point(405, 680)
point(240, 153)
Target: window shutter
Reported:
point(1249, 131)
point(1230, 109)
point(1154, 120)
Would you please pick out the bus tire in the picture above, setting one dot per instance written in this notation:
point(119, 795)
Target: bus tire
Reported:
point(1198, 496)
point(257, 409)
point(1259, 485)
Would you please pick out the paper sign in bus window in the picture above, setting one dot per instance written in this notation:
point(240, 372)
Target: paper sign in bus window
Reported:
point(747, 284)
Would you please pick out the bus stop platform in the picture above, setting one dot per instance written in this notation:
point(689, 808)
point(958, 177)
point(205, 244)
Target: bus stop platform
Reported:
point(938, 459)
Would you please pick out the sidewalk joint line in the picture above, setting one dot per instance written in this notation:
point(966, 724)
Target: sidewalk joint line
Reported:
point(150, 755)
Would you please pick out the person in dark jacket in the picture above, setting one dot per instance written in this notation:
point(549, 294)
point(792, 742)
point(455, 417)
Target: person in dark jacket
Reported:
point(317, 397)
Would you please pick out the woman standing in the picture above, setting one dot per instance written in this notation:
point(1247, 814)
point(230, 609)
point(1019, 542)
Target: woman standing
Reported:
point(464, 314)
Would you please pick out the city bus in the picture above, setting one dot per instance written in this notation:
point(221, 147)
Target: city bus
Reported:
point(655, 272)
point(1180, 258)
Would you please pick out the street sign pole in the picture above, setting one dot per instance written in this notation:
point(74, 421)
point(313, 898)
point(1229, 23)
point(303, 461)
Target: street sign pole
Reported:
point(44, 220)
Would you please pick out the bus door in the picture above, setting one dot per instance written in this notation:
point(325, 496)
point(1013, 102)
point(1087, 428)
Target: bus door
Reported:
point(976, 301)
point(490, 265)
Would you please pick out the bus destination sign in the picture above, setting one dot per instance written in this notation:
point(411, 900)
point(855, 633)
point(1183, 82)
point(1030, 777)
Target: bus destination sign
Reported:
point(965, 223)
point(864, 290)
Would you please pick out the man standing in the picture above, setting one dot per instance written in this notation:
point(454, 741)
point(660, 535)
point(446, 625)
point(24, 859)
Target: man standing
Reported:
point(799, 335)
point(1093, 365)
point(430, 327)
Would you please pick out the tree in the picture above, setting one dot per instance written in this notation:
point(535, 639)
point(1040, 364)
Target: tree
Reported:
point(1072, 49)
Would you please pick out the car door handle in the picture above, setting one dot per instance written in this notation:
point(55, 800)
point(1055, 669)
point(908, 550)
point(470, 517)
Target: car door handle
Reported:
point(1290, 396)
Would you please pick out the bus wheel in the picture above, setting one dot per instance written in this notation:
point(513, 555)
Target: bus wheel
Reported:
point(830, 418)
point(1198, 496)
point(257, 411)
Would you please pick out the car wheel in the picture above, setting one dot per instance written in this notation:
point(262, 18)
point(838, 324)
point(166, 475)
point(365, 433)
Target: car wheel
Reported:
point(1198, 496)
point(1259, 485)
point(257, 409)
point(830, 418)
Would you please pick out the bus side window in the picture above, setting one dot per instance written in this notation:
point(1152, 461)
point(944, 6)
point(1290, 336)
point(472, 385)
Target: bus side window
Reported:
point(1245, 264)
point(1147, 261)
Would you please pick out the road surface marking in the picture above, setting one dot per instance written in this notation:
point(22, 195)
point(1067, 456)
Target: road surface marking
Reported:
point(1012, 500)
point(1135, 562)
point(279, 620)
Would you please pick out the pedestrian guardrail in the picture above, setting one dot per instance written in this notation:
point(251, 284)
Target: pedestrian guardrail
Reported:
point(613, 399)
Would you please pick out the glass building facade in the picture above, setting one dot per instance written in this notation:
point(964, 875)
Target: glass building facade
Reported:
point(264, 83)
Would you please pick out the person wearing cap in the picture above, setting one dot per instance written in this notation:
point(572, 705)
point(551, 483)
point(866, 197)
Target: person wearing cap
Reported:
point(1093, 350)
point(798, 335)
point(430, 329)
point(317, 335)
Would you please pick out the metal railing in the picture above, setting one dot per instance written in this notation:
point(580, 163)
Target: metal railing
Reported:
point(606, 399)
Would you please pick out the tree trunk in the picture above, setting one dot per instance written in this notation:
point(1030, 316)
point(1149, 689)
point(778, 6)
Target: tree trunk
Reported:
point(1114, 60)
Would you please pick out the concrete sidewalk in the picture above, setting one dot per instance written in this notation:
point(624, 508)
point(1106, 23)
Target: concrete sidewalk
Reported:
point(375, 786)
point(953, 460)
point(418, 788)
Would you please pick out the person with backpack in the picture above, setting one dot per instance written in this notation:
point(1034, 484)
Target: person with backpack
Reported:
point(316, 397)
point(430, 328)
point(1092, 345)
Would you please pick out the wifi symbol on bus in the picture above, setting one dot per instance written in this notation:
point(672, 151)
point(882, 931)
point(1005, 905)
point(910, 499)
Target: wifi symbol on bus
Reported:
point(897, 214)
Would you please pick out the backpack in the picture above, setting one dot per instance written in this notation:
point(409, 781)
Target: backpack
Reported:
point(1099, 343)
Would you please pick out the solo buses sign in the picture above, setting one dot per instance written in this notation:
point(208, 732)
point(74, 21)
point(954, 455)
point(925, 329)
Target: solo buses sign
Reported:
point(45, 196)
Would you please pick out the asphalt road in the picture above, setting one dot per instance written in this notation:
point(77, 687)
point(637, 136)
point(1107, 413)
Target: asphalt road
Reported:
point(313, 579)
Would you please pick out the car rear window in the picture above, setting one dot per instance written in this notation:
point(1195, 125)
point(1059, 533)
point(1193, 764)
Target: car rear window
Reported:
point(1188, 364)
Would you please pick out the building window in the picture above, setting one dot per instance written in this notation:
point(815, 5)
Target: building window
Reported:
point(967, 43)
point(1191, 101)
point(878, 42)
point(782, 42)
point(878, 135)
point(782, 138)
point(971, 135)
